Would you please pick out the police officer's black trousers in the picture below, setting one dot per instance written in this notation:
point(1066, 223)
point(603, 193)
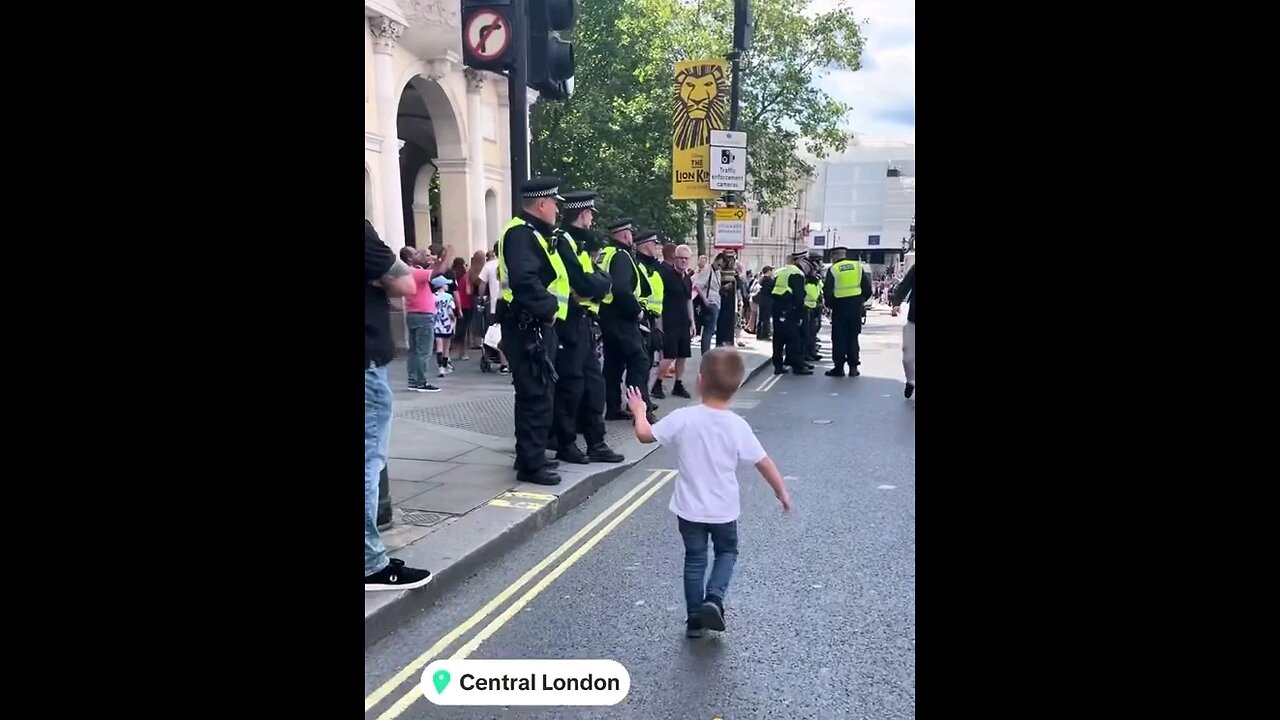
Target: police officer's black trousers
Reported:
point(534, 390)
point(577, 367)
point(845, 327)
point(624, 349)
point(786, 337)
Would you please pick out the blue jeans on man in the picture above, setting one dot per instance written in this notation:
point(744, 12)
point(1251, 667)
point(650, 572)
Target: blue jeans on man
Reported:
point(377, 438)
point(710, 316)
point(421, 361)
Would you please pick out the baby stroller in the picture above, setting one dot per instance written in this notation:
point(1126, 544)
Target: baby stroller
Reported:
point(489, 357)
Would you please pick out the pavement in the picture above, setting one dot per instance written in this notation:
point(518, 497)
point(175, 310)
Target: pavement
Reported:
point(455, 501)
point(820, 613)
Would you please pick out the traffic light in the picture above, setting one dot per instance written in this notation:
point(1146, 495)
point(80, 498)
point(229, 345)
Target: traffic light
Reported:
point(550, 58)
point(488, 42)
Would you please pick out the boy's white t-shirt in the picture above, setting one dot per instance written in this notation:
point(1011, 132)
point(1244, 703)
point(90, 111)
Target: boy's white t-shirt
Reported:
point(710, 444)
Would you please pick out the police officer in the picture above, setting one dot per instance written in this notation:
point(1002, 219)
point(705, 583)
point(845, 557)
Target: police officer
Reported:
point(813, 315)
point(620, 317)
point(579, 400)
point(844, 290)
point(535, 296)
point(788, 309)
point(648, 251)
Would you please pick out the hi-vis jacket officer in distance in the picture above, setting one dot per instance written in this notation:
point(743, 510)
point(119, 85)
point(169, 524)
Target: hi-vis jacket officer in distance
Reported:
point(536, 282)
point(620, 317)
point(788, 313)
point(579, 401)
point(844, 290)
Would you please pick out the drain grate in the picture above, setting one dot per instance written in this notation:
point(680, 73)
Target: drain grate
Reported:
point(496, 417)
point(421, 518)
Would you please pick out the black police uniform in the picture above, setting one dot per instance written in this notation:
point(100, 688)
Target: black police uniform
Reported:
point(529, 334)
point(624, 346)
point(846, 322)
point(579, 399)
point(788, 313)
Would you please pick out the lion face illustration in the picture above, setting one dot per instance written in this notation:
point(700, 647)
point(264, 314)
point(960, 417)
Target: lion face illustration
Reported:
point(699, 106)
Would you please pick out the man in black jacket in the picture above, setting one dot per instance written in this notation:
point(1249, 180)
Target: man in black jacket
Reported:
point(535, 294)
point(579, 401)
point(907, 289)
point(620, 316)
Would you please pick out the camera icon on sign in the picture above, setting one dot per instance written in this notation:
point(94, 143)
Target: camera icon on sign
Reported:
point(726, 157)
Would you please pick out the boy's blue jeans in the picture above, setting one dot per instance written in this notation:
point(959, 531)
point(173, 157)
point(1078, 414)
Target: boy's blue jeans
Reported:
point(724, 538)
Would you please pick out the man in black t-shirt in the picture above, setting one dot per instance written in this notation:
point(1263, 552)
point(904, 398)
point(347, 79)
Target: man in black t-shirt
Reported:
point(384, 275)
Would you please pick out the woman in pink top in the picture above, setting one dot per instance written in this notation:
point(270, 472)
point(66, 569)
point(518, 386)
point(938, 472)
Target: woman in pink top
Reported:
point(420, 317)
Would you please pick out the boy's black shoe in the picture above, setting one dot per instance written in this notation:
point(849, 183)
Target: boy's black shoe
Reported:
point(693, 628)
point(679, 390)
point(910, 388)
point(711, 613)
point(397, 576)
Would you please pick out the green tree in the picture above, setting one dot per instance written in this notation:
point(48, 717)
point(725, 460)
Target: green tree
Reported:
point(614, 133)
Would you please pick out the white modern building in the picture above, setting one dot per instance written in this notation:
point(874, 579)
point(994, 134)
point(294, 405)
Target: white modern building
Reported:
point(773, 237)
point(436, 168)
point(864, 199)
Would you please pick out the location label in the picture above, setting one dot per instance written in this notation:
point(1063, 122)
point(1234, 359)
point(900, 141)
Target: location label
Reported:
point(525, 682)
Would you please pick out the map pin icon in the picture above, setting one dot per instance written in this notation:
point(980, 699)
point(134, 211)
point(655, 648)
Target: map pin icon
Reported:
point(441, 680)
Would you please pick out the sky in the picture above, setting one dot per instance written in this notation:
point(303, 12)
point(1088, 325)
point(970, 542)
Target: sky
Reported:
point(883, 92)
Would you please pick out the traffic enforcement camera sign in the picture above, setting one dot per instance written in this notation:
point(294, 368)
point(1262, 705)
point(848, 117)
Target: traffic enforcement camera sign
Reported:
point(730, 228)
point(728, 160)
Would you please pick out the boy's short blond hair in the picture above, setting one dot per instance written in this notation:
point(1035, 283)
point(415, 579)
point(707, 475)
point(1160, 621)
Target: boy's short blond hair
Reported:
point(721, 370)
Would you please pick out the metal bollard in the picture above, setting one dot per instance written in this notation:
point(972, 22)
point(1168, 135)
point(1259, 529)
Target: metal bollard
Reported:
point(384, 500)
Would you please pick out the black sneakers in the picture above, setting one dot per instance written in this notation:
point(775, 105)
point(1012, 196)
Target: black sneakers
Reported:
point(397, 576)
point(603, 453)
point(680, 391)
point(656, 390)
point(693, 628)
point(711, 613)
point(910, 388)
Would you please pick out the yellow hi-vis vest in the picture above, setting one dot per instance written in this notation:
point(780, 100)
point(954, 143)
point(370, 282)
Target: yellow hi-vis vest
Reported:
point(848, 278)
point(780, 284)
point(811, 293)
point(605, 258)
point(558, 287)
point(588, 267)
point(653, 301)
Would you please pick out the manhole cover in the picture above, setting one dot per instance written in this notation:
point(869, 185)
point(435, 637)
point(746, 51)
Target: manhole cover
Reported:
point(421, 517)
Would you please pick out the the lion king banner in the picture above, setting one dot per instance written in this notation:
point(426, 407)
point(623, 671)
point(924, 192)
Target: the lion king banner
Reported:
point(700, 104)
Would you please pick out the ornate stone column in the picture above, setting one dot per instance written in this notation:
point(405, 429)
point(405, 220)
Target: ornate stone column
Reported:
point(386, 33)
point(475, 158)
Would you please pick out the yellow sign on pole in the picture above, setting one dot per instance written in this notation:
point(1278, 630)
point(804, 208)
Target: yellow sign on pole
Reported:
point(700, 104)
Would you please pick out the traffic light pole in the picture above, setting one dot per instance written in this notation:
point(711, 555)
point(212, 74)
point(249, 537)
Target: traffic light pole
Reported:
point(518, 102)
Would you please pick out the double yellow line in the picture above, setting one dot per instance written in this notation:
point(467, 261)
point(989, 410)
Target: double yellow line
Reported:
point(646, 489)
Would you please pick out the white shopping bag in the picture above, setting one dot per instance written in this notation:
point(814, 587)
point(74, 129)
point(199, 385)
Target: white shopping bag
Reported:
point(493, 336)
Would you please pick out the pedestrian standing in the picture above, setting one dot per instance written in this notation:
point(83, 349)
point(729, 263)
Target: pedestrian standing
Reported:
point(906, 292)
point(677, 320)
point(706, 288)
point(535, 295)
point(652, 290)
point(420, 321)
point(384, 276)
point(711, 442)
point(764, 298)
point(844, 289)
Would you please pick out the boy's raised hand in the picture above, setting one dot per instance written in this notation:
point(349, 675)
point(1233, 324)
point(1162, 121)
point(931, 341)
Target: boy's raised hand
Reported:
point(635, 400)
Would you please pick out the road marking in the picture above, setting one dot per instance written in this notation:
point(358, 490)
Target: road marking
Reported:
point(518, 504)
point(531, 495)
point(767, 385)
point(766, 381)
point(415, 692)
point(886, 487)
point(443, 643)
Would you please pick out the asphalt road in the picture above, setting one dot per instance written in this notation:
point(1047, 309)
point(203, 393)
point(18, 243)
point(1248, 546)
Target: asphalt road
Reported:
point(821, 610)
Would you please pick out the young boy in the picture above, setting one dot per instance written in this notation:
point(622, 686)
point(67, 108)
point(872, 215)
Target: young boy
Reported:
point(445, 318)
point(710, 441)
